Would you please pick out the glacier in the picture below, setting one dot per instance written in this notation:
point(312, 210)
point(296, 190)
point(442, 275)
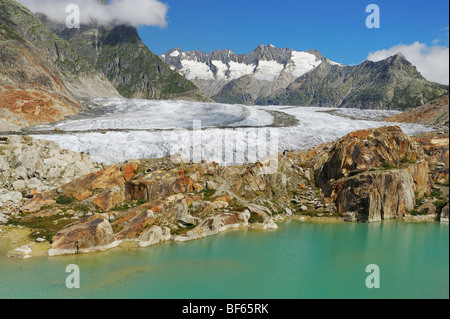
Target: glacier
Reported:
point(117, 130)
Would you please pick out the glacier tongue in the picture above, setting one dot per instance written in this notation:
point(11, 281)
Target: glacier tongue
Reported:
point(132, 129)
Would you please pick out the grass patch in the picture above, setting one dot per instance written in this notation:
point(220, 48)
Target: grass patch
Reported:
point(117, 228)
point(407, 160)
point(439, 205)
point(274, 191)
point(436, 192)
point(388, 166)
point(420, 201)
point(43, 226)
point(183, 230)
point(255, 218)
point(128, 205)
point(64, 200)
point(208, 192)
point(311, 213)
point(415, 212)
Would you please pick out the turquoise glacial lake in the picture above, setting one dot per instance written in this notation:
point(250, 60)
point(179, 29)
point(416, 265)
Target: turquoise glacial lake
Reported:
point(300, 260)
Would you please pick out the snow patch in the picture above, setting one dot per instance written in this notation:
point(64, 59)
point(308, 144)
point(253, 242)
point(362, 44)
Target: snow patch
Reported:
point(222, 69)
point(196, 70)
point(268, 70)
point(238, 70)
point(303, 63)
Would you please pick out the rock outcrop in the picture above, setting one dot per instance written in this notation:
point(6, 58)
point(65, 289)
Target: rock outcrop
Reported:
point(77, 75)
point(105, 188)
point(435, 113)
point(30, 90)
point(444, 214)
point(367, 149)
point(119, 54)
point(216, 224)
point(374, 174)
point(374, 196)
point(392, 83)
point(436, 146)
point(366, 176)
point(89, 235)
point(28, 164)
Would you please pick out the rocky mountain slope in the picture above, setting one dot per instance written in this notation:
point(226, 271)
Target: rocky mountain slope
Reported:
point(79, 77)
point(434, 113)
point(393, 83)
point(231, 78)
point(30, 89)
point(43, 76)
point(270, 75)
point(366, 176)
point(119, 53)
point(29, 166)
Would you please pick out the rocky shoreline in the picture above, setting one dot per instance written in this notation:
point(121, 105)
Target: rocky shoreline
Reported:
point(366, 176)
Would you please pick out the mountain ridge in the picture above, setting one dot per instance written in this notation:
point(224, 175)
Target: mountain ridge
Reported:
point(270, 68)
point(269, 75)
point(392, 83)
point(80, 78)
point(119, 54)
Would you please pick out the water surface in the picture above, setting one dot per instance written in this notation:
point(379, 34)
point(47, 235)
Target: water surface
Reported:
point(300, 260)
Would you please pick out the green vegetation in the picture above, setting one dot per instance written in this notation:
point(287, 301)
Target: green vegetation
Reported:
point(439, 205)
point(407, 160)
point(274, 191)
point(255, 218)
point(388, 166)
point(117, 228)
point(208, 192)
point(64, 200)
point(183, 230)
point(415, 212)
point(128, 205)
point(43, 226)
point(441, 184)
point(420, 201)
point(436, 192)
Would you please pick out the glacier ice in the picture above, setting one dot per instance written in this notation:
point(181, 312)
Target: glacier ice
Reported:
point(124, 129)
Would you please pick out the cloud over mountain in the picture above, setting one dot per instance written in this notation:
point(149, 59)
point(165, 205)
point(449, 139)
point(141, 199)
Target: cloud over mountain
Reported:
point(431, 61)
point(130, 12)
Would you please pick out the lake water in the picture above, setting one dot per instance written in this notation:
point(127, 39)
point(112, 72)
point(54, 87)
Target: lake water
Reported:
point(300, 260)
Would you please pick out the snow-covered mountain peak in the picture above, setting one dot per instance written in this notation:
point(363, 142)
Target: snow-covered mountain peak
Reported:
point(273, 67)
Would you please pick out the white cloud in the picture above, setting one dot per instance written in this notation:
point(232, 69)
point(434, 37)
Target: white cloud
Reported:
point(432, 62)
point(130, 12)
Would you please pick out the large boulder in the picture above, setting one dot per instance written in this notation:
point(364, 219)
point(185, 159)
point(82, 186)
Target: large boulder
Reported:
point(216, 224)
point(367, 149)
point(153, 236)
point(444, 214)
point(374, 174)
point(159, 183)
point(373, 196)
point(39, 165)
point(105, 188)
point(436, 146)
point(88, 235)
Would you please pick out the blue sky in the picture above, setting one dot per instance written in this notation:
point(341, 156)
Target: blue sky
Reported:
point(335, 28)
